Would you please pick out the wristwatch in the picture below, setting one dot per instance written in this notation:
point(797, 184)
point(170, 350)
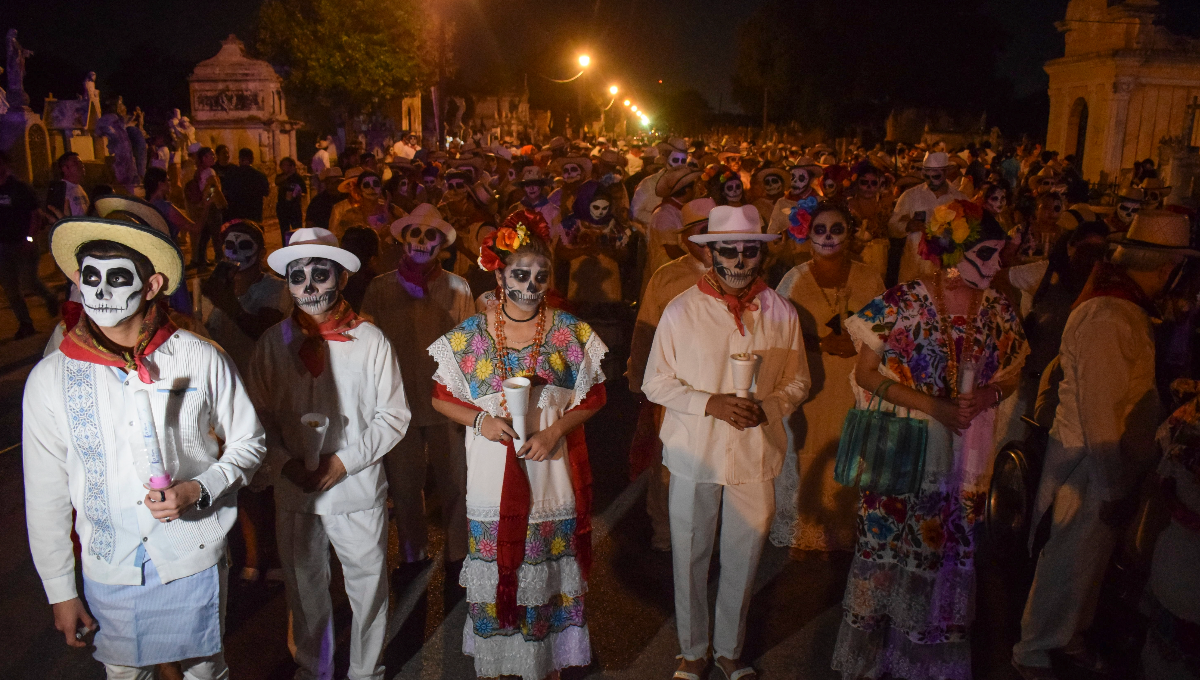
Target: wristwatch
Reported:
point(205, 499)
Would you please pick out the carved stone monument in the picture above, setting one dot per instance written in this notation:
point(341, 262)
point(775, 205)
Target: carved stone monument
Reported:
point(239, 101)
point(22, 132)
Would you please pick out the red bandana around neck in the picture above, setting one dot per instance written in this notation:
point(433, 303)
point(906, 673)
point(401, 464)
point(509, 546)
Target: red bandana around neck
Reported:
point(1109, 280)
point(419, 276)
point(82, 341)
point(312, 350)
point(737, 304)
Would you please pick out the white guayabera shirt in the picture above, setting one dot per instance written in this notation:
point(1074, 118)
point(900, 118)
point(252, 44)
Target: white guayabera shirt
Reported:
point(83, 451)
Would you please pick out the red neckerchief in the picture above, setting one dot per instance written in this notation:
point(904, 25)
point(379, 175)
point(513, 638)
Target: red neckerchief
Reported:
point(312, 350)
point(1109, 280)
point(737, 304)
point(419, 276)
point(82, 342)
point(516, 500)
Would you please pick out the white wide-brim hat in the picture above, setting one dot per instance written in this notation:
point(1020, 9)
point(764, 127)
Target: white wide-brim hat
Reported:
point(935, 160)
point(425, 215)
point(312, 242)
point(727, 223)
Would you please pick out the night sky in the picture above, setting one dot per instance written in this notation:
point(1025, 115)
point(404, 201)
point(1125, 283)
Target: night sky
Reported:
point(635, 43)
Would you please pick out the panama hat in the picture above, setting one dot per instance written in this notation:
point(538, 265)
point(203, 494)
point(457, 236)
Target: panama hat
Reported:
point(142, 210)
point(696, 211)
point(1161, 230)
point(1077, 214)
point(727, 223)
point(128, 229)
point(935, 160)
point(425, 215)
point(312, 242)
point(674, 180)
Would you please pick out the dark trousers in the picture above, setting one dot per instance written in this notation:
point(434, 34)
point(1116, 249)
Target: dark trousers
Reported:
point(209, 230)
point(18, 268)
point(290, 219)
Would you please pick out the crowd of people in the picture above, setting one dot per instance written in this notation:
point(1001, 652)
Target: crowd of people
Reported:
point(461, 313)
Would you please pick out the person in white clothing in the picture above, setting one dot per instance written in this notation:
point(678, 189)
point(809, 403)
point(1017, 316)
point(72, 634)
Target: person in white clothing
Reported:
point(913, 209)
point(671, 154)
point(677, 186)
point(414, 305)
point(1101, 443)
point(670, 280)
point(724, 451)
point(154, 562)
point(327, 386)
point(321, 161)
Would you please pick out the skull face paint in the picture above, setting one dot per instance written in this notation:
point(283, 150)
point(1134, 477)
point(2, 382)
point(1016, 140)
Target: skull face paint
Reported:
point(737, 262)
point(772, 186)
point(980, 264)
point(676, 159)
point(525, 280)
point(732, 190)
point(828, 233)
point(241, 250)
point(996, 202)
point(421, 244)
point(371, 187)
point(111, 290)
point(935, 178)
point(533, 192)
point(313, 283)
point(800, 180)
point(571, 173)
point(1127, 210)
point(599, 210)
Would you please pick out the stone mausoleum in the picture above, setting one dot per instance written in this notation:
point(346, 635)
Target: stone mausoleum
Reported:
point(1123, 85)
point(238, 101)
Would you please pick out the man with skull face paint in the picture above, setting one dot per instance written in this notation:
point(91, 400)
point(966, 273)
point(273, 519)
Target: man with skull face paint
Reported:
point(154, 564)
point(913, 209)
point(532, 183)
point(413, 306)
point(768, 188)
point(672, 154)
point(1129, 203)
point(529, 509)
point(800, 188)
point(574, 171)
point(326, 360)
point(366, 207)
point(723, 451)
point(872, 207)
point(677, 186)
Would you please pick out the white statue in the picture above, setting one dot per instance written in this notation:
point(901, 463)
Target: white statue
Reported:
point(16, 71)
point(189, 130)
point(89, 89)
point(112, 128)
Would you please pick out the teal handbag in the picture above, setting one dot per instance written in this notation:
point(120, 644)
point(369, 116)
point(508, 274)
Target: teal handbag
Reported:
point(879, 451)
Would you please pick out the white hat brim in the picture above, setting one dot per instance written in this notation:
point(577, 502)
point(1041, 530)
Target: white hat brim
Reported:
point(711, 237)
point(278, 260)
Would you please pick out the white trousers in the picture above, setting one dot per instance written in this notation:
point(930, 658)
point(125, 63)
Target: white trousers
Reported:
point(360, 539)
point(444, 445)
point(1066, 584)
point(206, 668)
point(744, 513)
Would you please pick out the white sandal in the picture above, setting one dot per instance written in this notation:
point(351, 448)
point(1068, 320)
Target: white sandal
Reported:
point(684, 675)
point(739, 673)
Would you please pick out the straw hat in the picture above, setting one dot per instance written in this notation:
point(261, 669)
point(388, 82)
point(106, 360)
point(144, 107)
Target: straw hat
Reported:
point(1160, 230)
point(350, 181)
point(143, 211)
point(614, 158)
point(425, 215)
point(1077, 214)
point(1155, 184)
point(312, 242)
point(814, 170)
point(584, 163)
point(727, 223)
point(696, 211)
point(762, 174)
point(935, 160)
point(1131, 195)
point(674, 180)
point(672, 145)
point(129, 230)
point(532, 174)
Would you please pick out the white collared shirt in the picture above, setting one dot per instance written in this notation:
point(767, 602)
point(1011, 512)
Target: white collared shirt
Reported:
point(916, 199)
point(83, 451)
point(361, 393)
point(689, 363)
point(77, 202)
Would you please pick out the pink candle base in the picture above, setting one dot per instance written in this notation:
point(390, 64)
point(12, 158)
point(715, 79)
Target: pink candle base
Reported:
point(160, 482)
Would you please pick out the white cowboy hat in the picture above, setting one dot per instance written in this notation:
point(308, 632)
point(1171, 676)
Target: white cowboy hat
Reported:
point(727, 223)
point(425, 215)
point(312, 242)
point(1161, 230)
point(129, 230)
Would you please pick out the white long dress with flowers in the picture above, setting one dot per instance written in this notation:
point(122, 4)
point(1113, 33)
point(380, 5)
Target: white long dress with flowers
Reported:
point(553, 632)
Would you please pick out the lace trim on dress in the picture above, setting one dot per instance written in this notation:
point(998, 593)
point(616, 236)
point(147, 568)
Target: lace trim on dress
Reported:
point(531, 660)
point(925, 607)
point(537, 584)
point(539, 513)
point(886, 651)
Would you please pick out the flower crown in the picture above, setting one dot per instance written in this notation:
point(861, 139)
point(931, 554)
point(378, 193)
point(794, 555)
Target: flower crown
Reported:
point(800, 218)
point(514, 233)
point(949, 230)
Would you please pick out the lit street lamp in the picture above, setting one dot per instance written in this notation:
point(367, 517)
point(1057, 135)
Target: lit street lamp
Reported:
point(584, 60)
point(613, 90)
point(634, 109)
point(626, 102)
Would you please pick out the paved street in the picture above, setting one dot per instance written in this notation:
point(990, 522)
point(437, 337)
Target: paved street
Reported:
point(793, 617)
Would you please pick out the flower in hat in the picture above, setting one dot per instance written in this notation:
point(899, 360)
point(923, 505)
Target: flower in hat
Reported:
point(800, 217)
point(948, 232)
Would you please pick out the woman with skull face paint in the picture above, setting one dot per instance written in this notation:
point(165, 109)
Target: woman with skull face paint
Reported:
point(909, 600)
point(725, 187)
point(872, 207)
point(366, 207)
point(825, 291)
point(529, 510)
point(153, 562)
point(326, 360)
point(767, 188)
point(592, 253)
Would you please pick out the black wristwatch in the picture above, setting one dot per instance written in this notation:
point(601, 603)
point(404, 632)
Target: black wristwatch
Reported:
point(205, 499)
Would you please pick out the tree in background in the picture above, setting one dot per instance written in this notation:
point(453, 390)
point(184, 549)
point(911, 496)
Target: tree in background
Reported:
point(349, 56)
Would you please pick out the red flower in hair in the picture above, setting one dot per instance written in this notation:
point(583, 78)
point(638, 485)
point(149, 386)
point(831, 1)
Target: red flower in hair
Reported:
point(489, 261)
point(532, 220)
